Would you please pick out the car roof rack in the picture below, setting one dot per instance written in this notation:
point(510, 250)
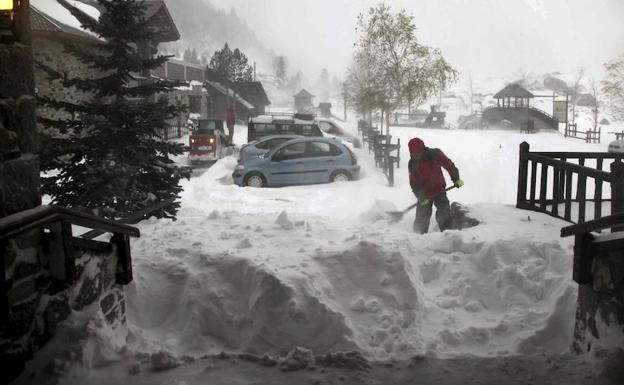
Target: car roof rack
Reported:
point(286, 116)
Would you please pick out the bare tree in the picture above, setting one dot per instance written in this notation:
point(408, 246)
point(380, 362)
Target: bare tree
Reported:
point(595, 108)
point(613, 87)
point(390, 67)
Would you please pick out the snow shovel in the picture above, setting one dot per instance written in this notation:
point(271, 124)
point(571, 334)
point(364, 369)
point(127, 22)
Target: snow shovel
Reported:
point(397, 215)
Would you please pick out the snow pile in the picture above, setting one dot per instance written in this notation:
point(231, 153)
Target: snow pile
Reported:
point(267, 270)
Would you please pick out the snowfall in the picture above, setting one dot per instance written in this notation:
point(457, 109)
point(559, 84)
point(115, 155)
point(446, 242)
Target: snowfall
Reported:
point(320, 267)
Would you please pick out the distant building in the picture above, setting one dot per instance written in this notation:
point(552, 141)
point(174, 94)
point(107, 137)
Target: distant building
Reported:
point(325, 109)
point(222, 96)
point(303, 101)
point(513, 109)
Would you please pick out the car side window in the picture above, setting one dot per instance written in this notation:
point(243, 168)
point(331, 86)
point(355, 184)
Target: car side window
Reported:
point(318, 149)
point(265, 129)
point(288, 129)
point(293, 151)
point(276, 142)
point(329, 128)
point(263, 145)
point(308, 130)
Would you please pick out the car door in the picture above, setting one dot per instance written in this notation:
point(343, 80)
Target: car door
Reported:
point(319, 161)
point(286, 165)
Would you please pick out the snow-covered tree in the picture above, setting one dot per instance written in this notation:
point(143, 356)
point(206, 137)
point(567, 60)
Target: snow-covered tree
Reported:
point(280, 70)
point(613, 87)
point(107, 155)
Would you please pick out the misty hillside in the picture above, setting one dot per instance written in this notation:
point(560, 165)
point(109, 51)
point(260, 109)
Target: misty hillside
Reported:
point(205, 28)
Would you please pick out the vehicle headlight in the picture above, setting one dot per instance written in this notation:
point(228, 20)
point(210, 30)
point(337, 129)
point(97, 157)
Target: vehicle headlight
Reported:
point(239, 167)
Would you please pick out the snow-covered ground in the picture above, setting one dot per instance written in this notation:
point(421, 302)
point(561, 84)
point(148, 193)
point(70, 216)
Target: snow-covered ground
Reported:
point(321, 267)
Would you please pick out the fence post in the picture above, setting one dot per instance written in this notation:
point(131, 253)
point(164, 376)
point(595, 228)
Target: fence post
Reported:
point(390, 168)
point(523, 166)
point(617, 190)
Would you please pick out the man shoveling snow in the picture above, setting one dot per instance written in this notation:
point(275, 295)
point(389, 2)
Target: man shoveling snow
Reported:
point(428, 185)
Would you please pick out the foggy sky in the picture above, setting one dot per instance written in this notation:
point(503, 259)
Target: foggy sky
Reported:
point(478, 37)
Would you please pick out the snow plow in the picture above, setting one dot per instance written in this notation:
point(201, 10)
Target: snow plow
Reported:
point(208, 142)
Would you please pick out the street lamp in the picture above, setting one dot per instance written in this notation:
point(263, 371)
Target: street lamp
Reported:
point(7, 7)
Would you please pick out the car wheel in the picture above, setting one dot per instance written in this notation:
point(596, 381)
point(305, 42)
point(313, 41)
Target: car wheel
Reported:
point(255, 180)
point(340, 176)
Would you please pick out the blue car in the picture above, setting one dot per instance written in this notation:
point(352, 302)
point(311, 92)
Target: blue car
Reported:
point(262, 146)
point(299, 161)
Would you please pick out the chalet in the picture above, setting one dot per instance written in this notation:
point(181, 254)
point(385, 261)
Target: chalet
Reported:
point(303, 101)
point(49, 37)
point(254, 93)
point(221, 97)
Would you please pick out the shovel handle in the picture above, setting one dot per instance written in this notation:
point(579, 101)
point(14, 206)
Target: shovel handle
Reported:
point(430, 198)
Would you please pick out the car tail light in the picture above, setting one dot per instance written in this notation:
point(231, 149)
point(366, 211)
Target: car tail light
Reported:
point(211, 140)
point(193, 140)
point(353, 158)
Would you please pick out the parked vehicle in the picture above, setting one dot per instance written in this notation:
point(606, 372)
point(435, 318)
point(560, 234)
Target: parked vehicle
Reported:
point(262, 146)
point(207, 142)
point(282, 124)
point(299, 161)
point(331, 127)
point(616, 146)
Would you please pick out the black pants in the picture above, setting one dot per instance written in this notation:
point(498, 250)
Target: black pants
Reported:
point(443, 214)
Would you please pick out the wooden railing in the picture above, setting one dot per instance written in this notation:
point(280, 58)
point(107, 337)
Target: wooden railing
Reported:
point(563, 185)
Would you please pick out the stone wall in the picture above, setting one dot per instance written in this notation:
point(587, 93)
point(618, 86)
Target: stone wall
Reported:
point(39, 301)
point(599, 327)
point(600, 308)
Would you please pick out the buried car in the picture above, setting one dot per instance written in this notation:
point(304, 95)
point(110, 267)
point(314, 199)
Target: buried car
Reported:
point(331, 127)
point(263, 145)
point(299, 161)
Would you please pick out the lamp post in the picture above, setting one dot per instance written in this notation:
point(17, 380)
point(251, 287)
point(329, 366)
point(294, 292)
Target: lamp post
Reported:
point(7, 9)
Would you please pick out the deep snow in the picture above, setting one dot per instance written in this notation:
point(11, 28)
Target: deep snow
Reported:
point(266, 270)
point(317, 266)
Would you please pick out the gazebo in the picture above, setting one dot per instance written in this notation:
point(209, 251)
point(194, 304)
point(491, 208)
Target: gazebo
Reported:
point(513, 96)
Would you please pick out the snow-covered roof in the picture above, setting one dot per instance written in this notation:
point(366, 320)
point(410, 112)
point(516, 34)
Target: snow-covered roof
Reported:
point(58, 18)
point(228, 91)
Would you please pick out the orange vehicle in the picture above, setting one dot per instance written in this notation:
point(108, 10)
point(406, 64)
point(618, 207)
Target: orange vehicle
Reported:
point(207, 141)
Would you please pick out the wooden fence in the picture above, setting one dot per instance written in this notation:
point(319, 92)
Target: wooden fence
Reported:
point(568, 182)
point(386, 154)
point(589, 136)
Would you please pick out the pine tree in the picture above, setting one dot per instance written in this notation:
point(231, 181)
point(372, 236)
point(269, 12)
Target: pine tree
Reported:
point(106, 153)
point(231, 66)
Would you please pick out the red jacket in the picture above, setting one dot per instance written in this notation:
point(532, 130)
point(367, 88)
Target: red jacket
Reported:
point(231, 117)
point(425, 175)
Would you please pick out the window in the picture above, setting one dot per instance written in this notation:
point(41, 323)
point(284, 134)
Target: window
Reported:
point(265, 129)
point(276, 142)
point(329, 128)
point(307, 130)
point(291, 152)
point(289, 129)
point(318, 149)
